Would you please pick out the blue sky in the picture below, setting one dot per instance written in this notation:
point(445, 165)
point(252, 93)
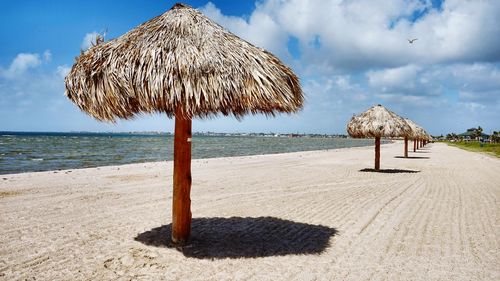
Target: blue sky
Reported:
point(349, 55)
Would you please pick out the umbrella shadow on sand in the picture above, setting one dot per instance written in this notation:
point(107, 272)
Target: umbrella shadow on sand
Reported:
point(237, 237)
point(389, 171)
point(412, 157)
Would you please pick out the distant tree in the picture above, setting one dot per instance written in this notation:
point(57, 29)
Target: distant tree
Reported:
point(453, 136)
point(478, 132)
point(495, 137)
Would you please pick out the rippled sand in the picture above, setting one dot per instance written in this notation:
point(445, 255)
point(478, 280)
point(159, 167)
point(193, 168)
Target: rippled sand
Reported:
point(299, 216)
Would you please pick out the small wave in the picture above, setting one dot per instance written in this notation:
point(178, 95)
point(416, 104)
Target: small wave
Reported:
point(37, 159)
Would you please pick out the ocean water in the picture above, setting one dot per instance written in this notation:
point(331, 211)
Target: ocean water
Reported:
point(29, 152)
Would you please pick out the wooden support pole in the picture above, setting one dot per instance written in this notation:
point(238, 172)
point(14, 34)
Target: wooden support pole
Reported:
point(414, 145)
point(377, 153)
point(406, 147)
point(181, 201)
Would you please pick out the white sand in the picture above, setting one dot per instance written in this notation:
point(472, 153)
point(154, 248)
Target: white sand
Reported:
point(441, 223)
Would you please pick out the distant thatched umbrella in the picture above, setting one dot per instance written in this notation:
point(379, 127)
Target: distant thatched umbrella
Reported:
point(428, 138)
point(425, 138)
point(185, 65)
point(419, 135)
point(377, 122)
point(416, 132)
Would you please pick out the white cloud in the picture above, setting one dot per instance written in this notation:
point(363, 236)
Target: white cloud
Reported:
point(88, 40)
point(405, 101)
point(63, 70)
point(481, 97)
point(23, 62)
point(25, 88)
point(373, 33)
point(260, 29)
point(353, 54)
point(20, 64)
point(472, 106)
point(47, 56)
point(399, 77)
point(408, 81)
point(477, 76)
point(478, 82)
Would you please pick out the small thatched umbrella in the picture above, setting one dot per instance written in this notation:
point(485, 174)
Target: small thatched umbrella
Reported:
point(378, 122)
point(428, 138)
point(415, 134)
point(183, 64)
point(419, 136)
point(422, 139)
point(425, 138)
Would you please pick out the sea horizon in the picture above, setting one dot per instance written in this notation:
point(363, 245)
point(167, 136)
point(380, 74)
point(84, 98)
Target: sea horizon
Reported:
point(218, 133)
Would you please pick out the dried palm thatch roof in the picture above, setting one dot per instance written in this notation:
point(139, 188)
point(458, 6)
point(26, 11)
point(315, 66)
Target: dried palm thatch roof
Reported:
point(181, 59)
point(427, 136)
point(416, 131)
point(378, 121)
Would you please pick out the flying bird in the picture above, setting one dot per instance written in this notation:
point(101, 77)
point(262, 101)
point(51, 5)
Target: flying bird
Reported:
point(412, 40)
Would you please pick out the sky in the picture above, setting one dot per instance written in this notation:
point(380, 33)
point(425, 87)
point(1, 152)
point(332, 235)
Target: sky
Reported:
point(349, 56)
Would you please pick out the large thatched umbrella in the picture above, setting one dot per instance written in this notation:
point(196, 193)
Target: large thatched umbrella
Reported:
point(377, 122)
point(185, 65)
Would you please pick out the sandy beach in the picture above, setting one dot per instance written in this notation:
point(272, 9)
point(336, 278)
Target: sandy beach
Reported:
point(298, 216)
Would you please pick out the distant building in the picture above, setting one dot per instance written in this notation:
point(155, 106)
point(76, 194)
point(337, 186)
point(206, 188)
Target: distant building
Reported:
point(471, 134)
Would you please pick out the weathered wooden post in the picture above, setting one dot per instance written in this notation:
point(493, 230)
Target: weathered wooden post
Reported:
point(181, 200)
point(377, 153)
point(406, 147)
